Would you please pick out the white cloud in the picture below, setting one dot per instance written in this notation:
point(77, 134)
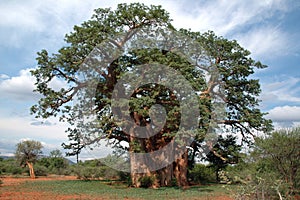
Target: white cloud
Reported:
point(15, 129)
point(285, 114)
point(53, 19)
point(255, 25)
point(224, 16)
point(281, 89)
point(21, 87)
point(21, 127)
point(24, 21)
point(4, 76)
point(265, 41)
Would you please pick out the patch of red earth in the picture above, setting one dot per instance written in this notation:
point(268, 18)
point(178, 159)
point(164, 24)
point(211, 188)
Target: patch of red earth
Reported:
point(14, 181)
point(12, 194)
point(37, 196)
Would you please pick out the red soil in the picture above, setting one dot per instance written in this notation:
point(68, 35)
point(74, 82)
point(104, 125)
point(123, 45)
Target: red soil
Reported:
point(9, 190)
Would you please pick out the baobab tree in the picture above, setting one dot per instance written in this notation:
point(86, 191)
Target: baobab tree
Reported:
point(118, 27)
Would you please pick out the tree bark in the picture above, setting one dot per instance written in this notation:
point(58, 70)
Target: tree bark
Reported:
point(31, 170)
point(180, 170)
point(166, 175)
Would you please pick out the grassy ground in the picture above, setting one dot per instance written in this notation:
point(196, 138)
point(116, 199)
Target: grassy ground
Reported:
point(79, 189)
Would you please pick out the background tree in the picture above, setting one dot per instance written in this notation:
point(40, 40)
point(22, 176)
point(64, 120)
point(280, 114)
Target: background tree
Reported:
point(226, 151)
point(75, 145)
point(55, 154)
point(229, 57)
point(280, 152)
point(27, 153)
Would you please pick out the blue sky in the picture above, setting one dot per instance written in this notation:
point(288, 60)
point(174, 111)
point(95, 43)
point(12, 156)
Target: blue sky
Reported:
point(270, 29)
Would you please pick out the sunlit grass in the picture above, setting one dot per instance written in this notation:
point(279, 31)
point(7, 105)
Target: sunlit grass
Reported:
point(115, 190)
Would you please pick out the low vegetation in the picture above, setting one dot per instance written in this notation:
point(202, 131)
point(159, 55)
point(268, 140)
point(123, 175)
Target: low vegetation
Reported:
point(269, 171)
point(82, 189)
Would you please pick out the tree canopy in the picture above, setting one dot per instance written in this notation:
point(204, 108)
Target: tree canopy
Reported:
point(27, 153)
point(281, 151)
point(148, 101)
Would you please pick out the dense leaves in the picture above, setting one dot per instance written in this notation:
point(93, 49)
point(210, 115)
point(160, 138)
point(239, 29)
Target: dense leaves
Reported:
point(28, 151)
point(231, 85)
point(281, 152)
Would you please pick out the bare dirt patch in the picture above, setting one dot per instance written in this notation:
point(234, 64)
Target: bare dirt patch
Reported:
point(8, 181)
point(10, 191)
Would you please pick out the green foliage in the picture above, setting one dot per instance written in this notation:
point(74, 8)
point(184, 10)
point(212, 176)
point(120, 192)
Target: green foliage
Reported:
point(54, 165)
point(94, 169)
point(28, 151)
point(40, 170)
point(11, 166)
point(76, 146)
point(99, 172)
point(233, 63)
point(202, 174)
point(124, 176)
point(55, 154)
point(280, 152)
point(231, 84)
point(226, 151)
point(147, 181)
point(271, 172)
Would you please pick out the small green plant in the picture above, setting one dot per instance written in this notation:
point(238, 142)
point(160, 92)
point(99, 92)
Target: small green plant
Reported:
point(202, 174)
point(147, 181)
point(41, 170)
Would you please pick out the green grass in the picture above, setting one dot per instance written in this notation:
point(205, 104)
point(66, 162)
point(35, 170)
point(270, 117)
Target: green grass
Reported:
point(121, 191)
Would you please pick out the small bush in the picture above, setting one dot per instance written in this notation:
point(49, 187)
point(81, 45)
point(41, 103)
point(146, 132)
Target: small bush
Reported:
point(202, 174)
point(147, 181)
point(40, 170)
point(125, 177)
point(16, 170)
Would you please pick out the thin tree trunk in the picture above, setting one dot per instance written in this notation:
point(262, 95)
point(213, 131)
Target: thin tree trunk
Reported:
point(31, 170)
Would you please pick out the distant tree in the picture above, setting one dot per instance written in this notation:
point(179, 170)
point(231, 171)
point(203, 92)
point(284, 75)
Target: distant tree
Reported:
point(226, 151)
point(75, 145)
point(55, 163)
point(55, 154)
point(27, 153)
point(281, 151)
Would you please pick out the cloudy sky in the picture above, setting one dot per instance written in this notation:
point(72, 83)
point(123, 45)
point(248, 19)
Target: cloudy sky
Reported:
point(270, 29)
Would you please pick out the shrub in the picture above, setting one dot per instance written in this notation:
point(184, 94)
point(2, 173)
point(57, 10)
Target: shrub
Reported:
point(125, 177)
point(202, 174)
point(15, 170)
point(40, 170)
point(147, 181)
point(9, 166)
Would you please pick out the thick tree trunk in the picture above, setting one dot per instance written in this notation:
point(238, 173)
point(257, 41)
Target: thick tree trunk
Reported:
point(31, 170)
point(147, 168)
point(180, 170)
point(166, 175)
